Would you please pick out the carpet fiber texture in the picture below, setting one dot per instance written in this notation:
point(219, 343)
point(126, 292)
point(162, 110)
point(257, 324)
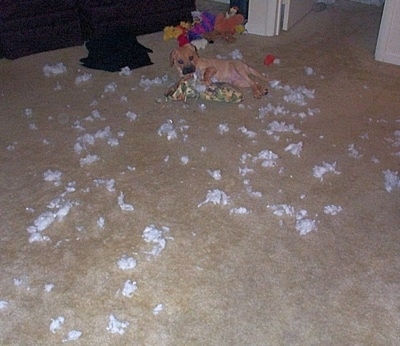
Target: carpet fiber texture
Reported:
point(127, 219)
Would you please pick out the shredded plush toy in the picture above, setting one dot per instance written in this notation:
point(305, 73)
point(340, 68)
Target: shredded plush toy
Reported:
point(192, 88)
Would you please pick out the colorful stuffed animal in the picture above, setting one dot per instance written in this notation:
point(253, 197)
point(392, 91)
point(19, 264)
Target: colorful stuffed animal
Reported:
point(172, 32)
point(191, 87)
point(226, 25)
point(203, 23)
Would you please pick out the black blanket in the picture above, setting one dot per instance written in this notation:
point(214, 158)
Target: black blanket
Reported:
point(115, 51)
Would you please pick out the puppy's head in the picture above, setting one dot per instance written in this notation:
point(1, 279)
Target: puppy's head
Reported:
point(184, 59)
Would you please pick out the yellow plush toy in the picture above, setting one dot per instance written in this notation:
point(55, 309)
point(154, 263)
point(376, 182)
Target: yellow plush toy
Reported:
point(176, 31)
point(172, 32)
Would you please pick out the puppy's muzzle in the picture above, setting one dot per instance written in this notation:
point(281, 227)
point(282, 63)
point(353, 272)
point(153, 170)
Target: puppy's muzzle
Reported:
point(188, 69)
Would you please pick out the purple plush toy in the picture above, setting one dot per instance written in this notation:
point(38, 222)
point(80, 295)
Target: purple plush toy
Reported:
point(204, 23)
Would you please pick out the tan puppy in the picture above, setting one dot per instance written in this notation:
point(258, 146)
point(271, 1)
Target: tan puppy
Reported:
point(235, 72)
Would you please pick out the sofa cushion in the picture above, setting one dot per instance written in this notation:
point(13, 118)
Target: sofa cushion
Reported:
point(24, 36)
point(14, 9)
point(140, 16)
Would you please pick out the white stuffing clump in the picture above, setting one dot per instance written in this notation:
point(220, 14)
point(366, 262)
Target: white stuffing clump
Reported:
point(132, 116)
point(108, 183)
point(78, 126)
point(48, 287)
point(88, 160)
point(215, 174)
point(72, 335)
point(101, 222)
point(87, 138)
point(309, 71)
point(282, 209)
point(171, 131)
point(19, 281)
point(94, 115)
point(104, 133)
point(78, 148)
point(56, 324)
point(216, 197)
point(269, 108)
point(245, 170)
point(63, 210)
point(124, 206)
point(158, 309)
point(55, 69)
point(85, 77)
point(54, 176)
point(239, 210)
point(332, 209)
point(38, 237)
point(156, 236)
point(147, 83)
point(129, 288)
point(3, 304)
point(222, 128)
point(267, 157)
point(202, 107)
point(44, 220)
point(115, 326)
point(28, 112)
point(71, 186)
point(168, 130)
point(392, 180)
point(353, 152)
point(184, 159)
point(249, 189)
point(298, 95)
point(319, 171)
point(246, 132)
point(110, 88)
point(236, 55)
point(295, 148)
point(90, 139)
point(126, 263)
point(375, 160)
point(304, 226)
point(113, 142)
point(280, 127)
point(200, 43)
point(125, 71)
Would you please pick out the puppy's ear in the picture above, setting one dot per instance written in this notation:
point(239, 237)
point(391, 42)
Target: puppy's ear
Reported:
point(194, 49)
point(172, 58)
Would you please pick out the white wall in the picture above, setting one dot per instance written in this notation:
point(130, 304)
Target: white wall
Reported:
point(388, 45)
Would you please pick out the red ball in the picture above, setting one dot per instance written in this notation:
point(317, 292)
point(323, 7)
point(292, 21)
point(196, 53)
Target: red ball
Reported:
point(269, 59)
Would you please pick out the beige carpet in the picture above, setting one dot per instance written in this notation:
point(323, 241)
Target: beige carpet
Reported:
point(247, 266)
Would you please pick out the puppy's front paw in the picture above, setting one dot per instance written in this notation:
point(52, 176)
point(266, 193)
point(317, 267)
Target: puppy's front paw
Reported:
point(259, 92)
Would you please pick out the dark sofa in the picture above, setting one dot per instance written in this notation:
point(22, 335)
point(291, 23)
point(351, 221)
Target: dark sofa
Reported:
point(33, 26)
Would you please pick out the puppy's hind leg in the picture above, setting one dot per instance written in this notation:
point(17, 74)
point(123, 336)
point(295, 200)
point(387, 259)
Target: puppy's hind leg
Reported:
point(255, 73)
